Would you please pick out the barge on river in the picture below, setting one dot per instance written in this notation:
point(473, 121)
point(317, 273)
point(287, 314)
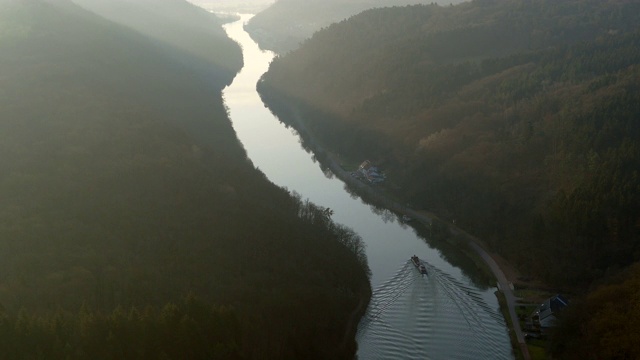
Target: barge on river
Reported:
point(419, 265)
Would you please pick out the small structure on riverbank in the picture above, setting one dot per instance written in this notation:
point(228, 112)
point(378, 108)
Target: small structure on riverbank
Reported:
point(545, 315)
point(371, 172)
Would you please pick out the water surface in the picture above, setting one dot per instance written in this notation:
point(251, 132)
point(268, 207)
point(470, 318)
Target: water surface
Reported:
point(444, 315)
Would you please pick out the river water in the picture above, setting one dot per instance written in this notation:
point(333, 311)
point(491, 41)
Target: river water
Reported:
point(445, 315)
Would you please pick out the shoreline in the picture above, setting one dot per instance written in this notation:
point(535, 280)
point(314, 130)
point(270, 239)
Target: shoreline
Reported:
point(329, 160)
point(355, 317)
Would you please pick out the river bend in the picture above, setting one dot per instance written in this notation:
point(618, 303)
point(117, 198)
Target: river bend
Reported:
point(444, 315)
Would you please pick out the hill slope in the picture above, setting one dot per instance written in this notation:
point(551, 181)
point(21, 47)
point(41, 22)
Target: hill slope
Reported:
point(287, 23)
point(132, 224)
point(164, 21)
point(516, 119)
point(234, 6)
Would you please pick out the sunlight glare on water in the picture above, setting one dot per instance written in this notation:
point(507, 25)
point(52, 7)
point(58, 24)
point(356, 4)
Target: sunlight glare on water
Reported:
point(440, 316)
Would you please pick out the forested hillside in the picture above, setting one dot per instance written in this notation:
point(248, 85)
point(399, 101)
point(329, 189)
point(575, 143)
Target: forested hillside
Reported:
point(516, 119)
point(605, 324)
point(132, 224)
point(164, 20)
point(287, 23)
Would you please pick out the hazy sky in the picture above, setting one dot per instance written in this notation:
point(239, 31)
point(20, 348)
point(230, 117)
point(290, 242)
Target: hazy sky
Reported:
point(233, 5)
point(253, 6)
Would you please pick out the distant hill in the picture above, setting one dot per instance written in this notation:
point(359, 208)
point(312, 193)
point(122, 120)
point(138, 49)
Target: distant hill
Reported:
point(132, 224)
point(287, 23)
point(234, 6)
point(164, 21)
point(516, 119)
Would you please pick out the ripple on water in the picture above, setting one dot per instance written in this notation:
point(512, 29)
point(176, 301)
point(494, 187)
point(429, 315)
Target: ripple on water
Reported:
point(410, 317)
point(430, 317)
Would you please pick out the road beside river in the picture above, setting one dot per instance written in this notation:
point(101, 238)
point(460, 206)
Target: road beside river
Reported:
point(449, 314)
point(331, 161)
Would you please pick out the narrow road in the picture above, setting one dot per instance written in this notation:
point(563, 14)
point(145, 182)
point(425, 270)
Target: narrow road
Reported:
point(503, 283)
point(506, 290)
point(473, 242)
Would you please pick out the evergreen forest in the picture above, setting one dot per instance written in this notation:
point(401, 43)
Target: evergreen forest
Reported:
point(517, 120)
point(132, 224)
point(287, 23)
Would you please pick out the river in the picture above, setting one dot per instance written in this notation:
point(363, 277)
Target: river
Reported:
point(444, 315)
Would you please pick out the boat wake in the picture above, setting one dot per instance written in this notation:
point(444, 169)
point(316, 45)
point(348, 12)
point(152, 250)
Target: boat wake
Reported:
point(429, 317)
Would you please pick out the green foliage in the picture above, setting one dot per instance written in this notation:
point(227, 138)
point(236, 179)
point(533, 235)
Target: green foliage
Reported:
point(189, 329)
point(518, 119)
point(285, 24)
point(124, 187)
point(605, 324)
point(437, 49)
point(163, 20)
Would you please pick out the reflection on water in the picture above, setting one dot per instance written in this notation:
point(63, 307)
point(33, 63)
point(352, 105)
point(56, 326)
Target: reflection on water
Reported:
point(442, 316)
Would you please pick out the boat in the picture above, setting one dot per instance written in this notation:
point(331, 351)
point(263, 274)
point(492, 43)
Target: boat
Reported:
point(416, 262)
point(423, 270)
point(406, 218)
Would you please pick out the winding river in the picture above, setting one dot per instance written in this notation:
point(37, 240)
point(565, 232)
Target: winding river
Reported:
point(445, 315)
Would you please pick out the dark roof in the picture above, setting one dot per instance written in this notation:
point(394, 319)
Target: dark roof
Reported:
point(548, 308)
point(558, 302)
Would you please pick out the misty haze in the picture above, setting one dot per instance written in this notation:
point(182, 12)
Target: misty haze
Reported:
point(319, 179)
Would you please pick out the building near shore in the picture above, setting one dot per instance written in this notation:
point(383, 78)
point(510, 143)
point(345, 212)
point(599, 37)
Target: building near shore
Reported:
point(546, 315)
point(371, 172)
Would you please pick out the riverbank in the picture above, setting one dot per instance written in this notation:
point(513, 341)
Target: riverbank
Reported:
point(379, 198)
point(354, 318)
